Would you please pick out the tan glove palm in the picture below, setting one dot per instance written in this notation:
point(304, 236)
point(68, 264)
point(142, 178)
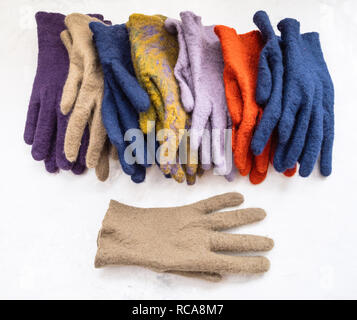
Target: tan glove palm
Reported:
point(182, 239)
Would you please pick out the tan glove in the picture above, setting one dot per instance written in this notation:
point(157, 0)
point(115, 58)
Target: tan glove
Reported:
point(83, 90)
point(182, 240)
point(102, 167)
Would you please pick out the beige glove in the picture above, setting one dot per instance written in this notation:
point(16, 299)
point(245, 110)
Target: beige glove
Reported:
point(182, 240)
point(83, 90)
point(102, 167)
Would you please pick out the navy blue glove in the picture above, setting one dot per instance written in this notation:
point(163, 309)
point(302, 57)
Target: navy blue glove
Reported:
point(269, 89)
point(306, 127)
point(123, 96)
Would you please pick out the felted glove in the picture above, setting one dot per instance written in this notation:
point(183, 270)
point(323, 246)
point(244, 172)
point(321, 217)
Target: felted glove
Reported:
point(241, 58)
point(199, 71)
point(182, 239)
point(123, 96)
point(269, 83)
point(45, 124)
point(154, 54)
point(269, 89)
point(102, 167)
point(306, 127)
point(83, 91)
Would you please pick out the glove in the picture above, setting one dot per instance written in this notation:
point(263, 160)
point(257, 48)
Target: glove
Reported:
point(306, 127)
point(123, 96)
point(241, 57)
point(154, 54)
point(83, 91)
point(102, 167)
point(269, 88)
point(269, 83)
point(182, 239)
point(199, 70)
point(45, 125)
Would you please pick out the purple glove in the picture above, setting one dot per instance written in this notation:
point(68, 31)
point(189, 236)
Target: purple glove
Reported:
point(45, 124)
point(199, 72)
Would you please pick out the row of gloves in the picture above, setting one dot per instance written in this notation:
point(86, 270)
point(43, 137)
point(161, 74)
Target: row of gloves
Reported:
point(96, 80)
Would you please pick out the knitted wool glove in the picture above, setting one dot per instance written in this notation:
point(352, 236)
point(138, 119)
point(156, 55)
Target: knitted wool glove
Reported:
point(83, 91)
point(241, 58)
point(154, 53)
point(46, 125)
point(199, 70)
point(306, 127)
point(182, 239)
point(123, 96)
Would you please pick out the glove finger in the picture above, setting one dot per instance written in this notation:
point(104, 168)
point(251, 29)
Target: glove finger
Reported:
point(219, 125)
point(177, 172)
point(79, 166)
point(45, 134)
point(102, 168)
point(222, 263)
point(270, 117)
point(262, 21)
point(67, 40)
point(205, 148)
point(156, 98)
point(220, 241)
point(32, 117)
point(112, 125)
point(61, 159)
point(71, 88)
point(256, 177)
point(50, 161)
point(264, 80)
point(298, 138)
point(181, 71)
point(314, 138)
point(97, 137)
point(225, 200)
point(233, 96)
point(75, 128)
point(291, 106)
point(127, 120)
point(137, 96)
point(327, 143)
point(290, 172)
point(139, 174)
point(261, 162)
point(235, 218)
point(244, 138)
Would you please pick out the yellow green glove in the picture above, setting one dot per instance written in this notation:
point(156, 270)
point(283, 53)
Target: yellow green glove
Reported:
point(154, 53)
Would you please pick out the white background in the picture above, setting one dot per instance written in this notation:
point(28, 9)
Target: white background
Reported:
point(49, 223)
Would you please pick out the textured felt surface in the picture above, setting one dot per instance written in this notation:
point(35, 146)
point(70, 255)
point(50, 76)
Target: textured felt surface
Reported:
point(183, 239)
point(123, 96)
point(45, 125)
point(199, 73)
point(154, 55)
point(306, 127)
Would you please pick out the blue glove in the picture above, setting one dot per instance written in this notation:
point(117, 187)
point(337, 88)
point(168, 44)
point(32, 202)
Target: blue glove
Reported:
point(306, 127)
point(123, 96)
point(269, 89)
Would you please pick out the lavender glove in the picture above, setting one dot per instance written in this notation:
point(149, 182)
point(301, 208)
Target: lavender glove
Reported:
point(45, 125)
point(199, 72)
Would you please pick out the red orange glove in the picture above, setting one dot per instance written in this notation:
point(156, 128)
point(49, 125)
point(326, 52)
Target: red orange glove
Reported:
point(241, 58)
